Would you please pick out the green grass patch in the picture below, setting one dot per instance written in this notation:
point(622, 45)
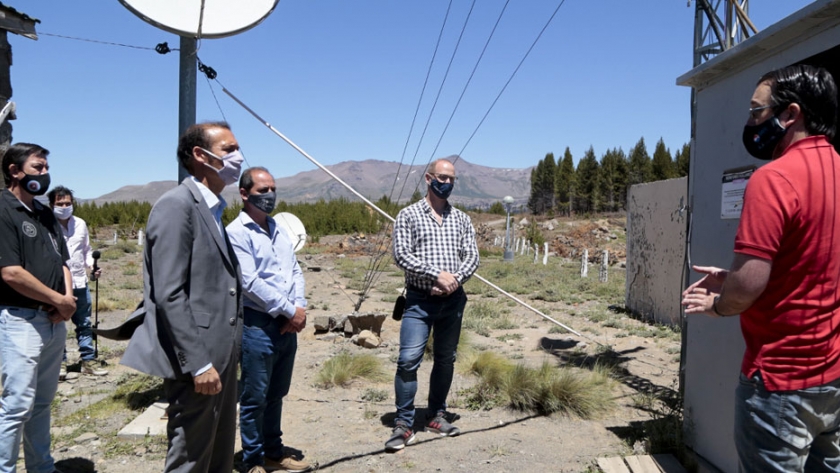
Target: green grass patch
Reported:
point(483, 316)
point(509, 336)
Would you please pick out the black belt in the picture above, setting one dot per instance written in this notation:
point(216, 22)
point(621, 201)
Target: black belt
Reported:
point(410, 287)
point(34, 305)
point(428, 292)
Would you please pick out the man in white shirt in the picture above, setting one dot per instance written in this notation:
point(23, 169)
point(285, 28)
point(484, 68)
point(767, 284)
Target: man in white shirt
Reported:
point(81, 258)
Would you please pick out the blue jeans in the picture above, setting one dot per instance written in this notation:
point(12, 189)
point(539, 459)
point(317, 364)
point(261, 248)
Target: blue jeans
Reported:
point(423, 314)
point(81, 319)
point(787, 431)
point(30, 357)
point(267, 362)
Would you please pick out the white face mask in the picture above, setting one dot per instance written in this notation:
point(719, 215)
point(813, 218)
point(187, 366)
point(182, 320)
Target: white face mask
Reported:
point(233, 166)
point(63, 213)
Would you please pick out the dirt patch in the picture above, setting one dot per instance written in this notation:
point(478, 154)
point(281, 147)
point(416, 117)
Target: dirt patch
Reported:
point(343, 429)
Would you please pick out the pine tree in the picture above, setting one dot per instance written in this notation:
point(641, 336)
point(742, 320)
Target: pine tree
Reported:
point(541, 199)
point(613, 182)
point(534, 197)
point(547, 183)
point(682, 160)
point(621, 180)
point(588, 186)
point(416, 196)
point(639, 165)
point(564, 183)
point(662, 167)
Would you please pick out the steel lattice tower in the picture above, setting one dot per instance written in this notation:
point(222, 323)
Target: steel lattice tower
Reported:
point(718, 26)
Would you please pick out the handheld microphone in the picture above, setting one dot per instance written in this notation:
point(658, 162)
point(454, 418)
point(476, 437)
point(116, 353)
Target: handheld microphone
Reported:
point(96, 255)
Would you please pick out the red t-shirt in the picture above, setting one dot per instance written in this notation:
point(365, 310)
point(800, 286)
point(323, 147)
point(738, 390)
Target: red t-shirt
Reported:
point(791, 217)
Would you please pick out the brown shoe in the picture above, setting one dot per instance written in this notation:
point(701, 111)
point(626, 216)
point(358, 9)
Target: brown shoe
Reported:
point(90, 368)
point(290, 464)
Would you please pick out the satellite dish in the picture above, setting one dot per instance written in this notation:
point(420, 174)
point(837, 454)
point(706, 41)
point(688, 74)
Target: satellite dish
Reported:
point(294, 228)
point(202, 18)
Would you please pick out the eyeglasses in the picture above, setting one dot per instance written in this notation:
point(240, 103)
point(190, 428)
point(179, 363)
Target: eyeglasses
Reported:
point(444, 177)
point(754, 111)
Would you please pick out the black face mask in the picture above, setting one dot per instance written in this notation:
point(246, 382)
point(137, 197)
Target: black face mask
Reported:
point(440, 189)
point(264, 202)
point(37, 184)
point(761, 140)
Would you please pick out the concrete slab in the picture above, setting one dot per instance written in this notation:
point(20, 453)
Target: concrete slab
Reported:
point(151, 422)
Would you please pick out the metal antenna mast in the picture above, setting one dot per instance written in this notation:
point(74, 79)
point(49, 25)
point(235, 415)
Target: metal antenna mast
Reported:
point(718, 26)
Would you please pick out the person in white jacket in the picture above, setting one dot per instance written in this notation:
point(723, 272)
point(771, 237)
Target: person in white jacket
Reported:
point(76, 235)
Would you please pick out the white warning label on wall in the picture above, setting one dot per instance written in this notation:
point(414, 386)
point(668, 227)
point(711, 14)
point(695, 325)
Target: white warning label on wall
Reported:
point(732, 198)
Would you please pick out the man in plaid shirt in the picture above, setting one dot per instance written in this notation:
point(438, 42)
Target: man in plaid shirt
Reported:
point(434, 243)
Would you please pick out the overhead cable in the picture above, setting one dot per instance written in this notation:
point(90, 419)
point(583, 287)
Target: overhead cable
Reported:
point(510, 79)
point(437, 97)
point(160, 48)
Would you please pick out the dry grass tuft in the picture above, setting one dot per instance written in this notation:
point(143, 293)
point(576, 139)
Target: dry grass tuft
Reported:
point(343, 368)
point(544, 390)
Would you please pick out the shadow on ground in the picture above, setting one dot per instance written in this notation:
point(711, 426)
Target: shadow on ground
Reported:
point(613, 360)
point(387, 420)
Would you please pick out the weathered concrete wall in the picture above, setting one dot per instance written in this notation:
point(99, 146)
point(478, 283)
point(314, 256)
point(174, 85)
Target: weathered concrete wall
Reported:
point(656, 228)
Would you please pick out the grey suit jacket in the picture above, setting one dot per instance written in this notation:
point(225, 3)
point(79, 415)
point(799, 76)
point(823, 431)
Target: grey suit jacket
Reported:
point(192, 291)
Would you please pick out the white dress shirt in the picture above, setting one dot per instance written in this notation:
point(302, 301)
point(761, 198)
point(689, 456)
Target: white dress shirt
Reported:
point(78, 245)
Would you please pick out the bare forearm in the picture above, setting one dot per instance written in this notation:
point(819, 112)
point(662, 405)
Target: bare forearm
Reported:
point(68, 281)
point(745, 283)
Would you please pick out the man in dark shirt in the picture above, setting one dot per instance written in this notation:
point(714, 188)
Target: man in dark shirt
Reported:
point(36, 298)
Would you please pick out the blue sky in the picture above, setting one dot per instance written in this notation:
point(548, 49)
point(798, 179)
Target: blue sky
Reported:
point(342, 79)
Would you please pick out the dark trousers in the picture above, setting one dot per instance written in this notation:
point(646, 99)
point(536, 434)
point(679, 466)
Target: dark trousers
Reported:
point(201, 429)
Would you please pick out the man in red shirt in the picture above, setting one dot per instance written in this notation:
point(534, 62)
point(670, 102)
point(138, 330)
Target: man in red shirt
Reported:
point(785, 279)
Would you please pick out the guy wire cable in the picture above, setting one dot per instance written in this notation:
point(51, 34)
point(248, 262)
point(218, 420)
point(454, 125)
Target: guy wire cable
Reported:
point(428, 120)
point(510, 78)
point(420, 100)
point(381, 249)
point(467, 84)
point(387, 216)
point(458, 156)
point(440, 89)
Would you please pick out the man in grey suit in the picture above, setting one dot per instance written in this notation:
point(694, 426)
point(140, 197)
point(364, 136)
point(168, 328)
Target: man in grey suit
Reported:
point(191, 332)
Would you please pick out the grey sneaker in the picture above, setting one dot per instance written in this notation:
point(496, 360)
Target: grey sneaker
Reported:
point(439, 425)
point(401, 436)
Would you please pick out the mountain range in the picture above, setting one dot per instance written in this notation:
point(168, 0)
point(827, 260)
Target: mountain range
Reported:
point(477, 186)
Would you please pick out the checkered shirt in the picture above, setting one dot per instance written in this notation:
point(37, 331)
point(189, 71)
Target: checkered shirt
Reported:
point(423, 248)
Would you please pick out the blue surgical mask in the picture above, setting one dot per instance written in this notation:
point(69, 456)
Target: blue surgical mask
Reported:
point(440, 189)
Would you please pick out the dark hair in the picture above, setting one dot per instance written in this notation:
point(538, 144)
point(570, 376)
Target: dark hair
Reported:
point(59, 191)
point(813, 89)
point(17, 154)
point(246, 181)
point(196, 135)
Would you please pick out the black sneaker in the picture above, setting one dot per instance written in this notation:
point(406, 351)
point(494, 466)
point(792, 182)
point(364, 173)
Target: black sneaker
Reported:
point(401, 437)
point(440, 425)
